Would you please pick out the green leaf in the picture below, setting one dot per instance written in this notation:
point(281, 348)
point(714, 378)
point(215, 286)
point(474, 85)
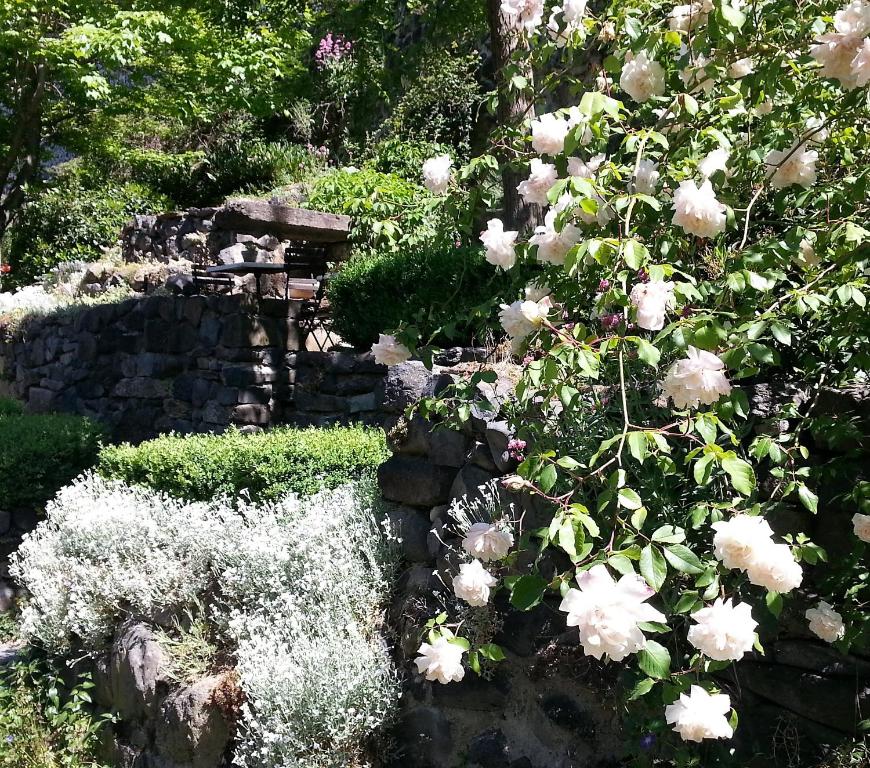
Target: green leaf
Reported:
point(492, 652)
point(655, 660)
point(808, 498)
point(547, 478)
point(683, 559)
point(637, 445)
point(740, 472)
point(773, 600)
point(621, 564)
point(648, 353)
point(653, 566)
point(642, 688)
point(628, 498)
point(528, 590)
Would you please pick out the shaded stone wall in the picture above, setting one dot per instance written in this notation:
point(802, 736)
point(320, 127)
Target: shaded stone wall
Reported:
point(186, 364)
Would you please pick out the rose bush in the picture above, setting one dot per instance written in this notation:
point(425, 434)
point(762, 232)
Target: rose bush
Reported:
point(705, 232)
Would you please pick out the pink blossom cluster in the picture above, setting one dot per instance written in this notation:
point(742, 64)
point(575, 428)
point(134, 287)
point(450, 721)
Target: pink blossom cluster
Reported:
point(331, 50)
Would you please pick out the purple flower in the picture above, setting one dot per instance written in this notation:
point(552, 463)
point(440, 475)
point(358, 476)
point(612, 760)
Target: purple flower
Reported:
point(611, 321)
point(603, 285)
point(331, 50)
point(647, 741)
point(643, 276)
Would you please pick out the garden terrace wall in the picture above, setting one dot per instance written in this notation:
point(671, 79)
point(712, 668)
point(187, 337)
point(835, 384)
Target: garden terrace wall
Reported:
point(547, 705)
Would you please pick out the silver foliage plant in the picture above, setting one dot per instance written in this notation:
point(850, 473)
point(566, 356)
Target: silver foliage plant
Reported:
point(299, 582)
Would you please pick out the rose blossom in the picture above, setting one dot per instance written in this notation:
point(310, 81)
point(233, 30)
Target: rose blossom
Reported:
point(699, 378)
point(765, 108)
point(436, 174)
point(773, 567)
point(548, 134)
point(697, 211)
point(535, 292)
point(652, 300)
point(646, 177)
point(861, 525)
point(723, 631)
point(825, 622)
point(795, 166)
point(473, 583)
point(741, 68)
point(807, 253)
point(642, 77)
point(574, 10)
point(608, 612)
point(542, 176)
point(552, 245)
point(684, 18)
point(499, 244)
point(714, 161)
point(524, 14)
point(860, 67)
point(487, 541)
point(737, 541)
point(576, 118)
point(700, 715)
point(581, 169)
point(388, 351)
point(441, 661)
point(521, 318)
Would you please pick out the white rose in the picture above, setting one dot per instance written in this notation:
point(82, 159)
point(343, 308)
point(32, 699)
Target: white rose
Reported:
point(559, 35)
point(825, 622)
point(646, 177)
point(816, 132)
point(535, 292)
point(548, 134)
point(499, 244)
point(642, 77)
point(723, 631)
point(652, 301)
point(694, 75)
point(436, 174)
point(765, 108)
point(794, 166)
point(684, 18)
point(542, 176)
point(388, 351)
point(699, 378)
point(774, 568)
point(552, 245)
point(860, 65)
point(580, 169)
point(736, 540)
point(836, 52)
point(574, 10)
point(521, 318)
point(697, 211)
point(861, 525)
point(716, 160)
point(473, 583)
point(853, 18)
point(607, 613)
point(741, 68)
point(807, 256)
point(487, 541)
point(700, 715)
point(441, 661)
point(524, 14)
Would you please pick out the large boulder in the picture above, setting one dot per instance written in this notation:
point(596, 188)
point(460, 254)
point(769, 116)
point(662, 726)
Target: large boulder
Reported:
point(414, 481)
point(137, 672)
point(193, 730)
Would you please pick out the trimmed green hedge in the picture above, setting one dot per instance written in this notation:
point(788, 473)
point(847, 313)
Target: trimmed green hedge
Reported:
point(266, 465)
point(445, 292)
point(42, 452)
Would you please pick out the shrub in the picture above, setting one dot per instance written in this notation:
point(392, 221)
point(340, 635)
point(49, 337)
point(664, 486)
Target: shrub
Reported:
point(388, 211)
point(70, 222)
point(404, 158)
point(41, 453)
point(297, 585)
point(264, 466)
point(444, 292)
point(45, 716)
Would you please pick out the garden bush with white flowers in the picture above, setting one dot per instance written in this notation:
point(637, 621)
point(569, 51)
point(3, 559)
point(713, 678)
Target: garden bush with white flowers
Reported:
point(705, 212)
point(293, 590)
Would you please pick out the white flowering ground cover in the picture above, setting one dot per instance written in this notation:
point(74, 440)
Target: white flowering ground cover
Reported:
point(705, 206)
point(295, 588)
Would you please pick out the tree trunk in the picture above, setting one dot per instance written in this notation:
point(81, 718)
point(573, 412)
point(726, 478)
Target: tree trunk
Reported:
point(20, 165)
point(512, 107)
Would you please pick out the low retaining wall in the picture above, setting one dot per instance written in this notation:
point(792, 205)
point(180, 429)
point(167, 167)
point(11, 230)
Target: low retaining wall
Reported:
point(190, 364)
